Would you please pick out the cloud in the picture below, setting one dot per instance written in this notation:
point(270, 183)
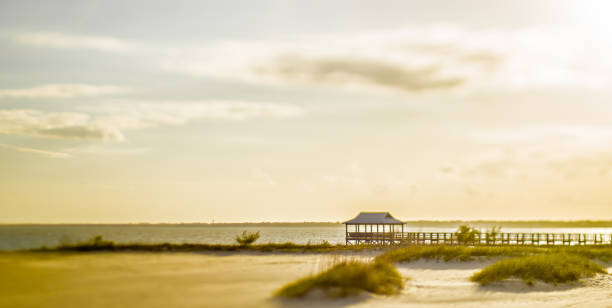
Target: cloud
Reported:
point(35, 151)
point(107, 150)
point(393, 61)
point(416, 59)
point(363, 71)
point(108, 121)
point(413, 59)
point(533, 150)
point(565, 138)
point(134, 115)
point(62, 125)
point(62, 40)
point(67, 90)
point(260, 176)
point(594, 165)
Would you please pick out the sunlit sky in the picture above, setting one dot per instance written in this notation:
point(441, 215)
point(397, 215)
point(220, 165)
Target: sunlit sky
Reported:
point(233, 111)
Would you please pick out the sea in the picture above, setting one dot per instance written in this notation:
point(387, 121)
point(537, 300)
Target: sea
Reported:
point(29, 236)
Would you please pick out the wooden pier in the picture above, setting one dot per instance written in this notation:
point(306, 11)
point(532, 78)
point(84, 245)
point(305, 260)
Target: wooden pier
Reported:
point(483, 239)
point(380, 228)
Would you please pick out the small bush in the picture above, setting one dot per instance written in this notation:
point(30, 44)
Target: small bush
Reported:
point(491, 234)
point(96, 243)
point(99, 241)
point(247, 238)
point(466, 234)
point(348, 278)
point(550, 268)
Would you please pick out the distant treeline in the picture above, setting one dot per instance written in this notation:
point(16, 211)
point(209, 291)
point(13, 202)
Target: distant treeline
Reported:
point(513, 223)
point(194, 224)
point(412, 224)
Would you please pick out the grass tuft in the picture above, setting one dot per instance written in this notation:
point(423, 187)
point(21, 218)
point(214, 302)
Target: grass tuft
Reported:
point(247, 238)
point(348, 278)
point(549, 268)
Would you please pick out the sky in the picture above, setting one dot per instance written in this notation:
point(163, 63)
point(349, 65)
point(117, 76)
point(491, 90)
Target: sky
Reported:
point(248, 111)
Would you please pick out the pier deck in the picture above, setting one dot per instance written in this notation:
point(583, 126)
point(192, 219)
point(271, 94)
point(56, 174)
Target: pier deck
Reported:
point(450, 238)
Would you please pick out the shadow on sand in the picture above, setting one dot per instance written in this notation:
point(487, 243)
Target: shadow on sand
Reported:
point(443, 265)
point(318, 299)
point(518, 286)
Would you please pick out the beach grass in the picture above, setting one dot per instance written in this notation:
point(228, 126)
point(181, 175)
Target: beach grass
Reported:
point(601, 253)
point(550, 268)
point(467, 253)
point(455, 253)
point(348, 278)
point(97, 243)
point(391, 254)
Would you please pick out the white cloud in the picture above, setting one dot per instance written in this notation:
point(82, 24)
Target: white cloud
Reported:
point(62, 40)
point(62, 125)
point(107, 150)
point(529, 151)
point(133, 115)
point(562, 138)
point(35, 151)
point(108, 121)
point(410, 60)
point(66, 90)
point(260, 176)
point(415, 59)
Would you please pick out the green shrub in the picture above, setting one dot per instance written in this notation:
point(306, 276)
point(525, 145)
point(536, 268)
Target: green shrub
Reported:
point(466, 234)
point(491, 234)
point(247, 238)
point(549, 268)
point(93, 244)
point(348, 278)
point(99, 241)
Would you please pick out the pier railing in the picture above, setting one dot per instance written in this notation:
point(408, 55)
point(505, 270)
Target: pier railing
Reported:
point(450, 238)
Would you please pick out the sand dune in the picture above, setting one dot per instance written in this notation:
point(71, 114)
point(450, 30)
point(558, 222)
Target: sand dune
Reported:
point(248, 280)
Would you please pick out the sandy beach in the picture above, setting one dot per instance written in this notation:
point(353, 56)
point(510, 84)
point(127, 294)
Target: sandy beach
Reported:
point(249, 279)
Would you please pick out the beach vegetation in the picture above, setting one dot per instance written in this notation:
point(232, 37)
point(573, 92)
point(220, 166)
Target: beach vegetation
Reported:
point(466, 234)
point(465, 253)
point(247, 238)
point(348, 278)
point(601, 253)
point(491, 234)
point(97, 243)
point(454, 253)
point(386, 253)
point(549, 268)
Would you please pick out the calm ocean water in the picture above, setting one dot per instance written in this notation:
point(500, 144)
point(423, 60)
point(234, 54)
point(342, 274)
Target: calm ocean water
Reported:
point(15, 237)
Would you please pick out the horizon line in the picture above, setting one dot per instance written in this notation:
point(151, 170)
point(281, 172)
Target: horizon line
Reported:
point(310, 222)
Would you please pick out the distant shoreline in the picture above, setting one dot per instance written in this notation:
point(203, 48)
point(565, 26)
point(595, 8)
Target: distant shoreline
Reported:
point(409, 223)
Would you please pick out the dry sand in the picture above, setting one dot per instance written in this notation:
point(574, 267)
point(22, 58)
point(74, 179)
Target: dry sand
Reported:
point(248, 280)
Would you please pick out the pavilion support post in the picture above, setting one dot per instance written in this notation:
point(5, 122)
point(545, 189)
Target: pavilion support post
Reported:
point(387, 233)
point(346, 234)
point(384, 233)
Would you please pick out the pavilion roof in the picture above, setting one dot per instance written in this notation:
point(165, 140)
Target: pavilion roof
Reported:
point(374, 218)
